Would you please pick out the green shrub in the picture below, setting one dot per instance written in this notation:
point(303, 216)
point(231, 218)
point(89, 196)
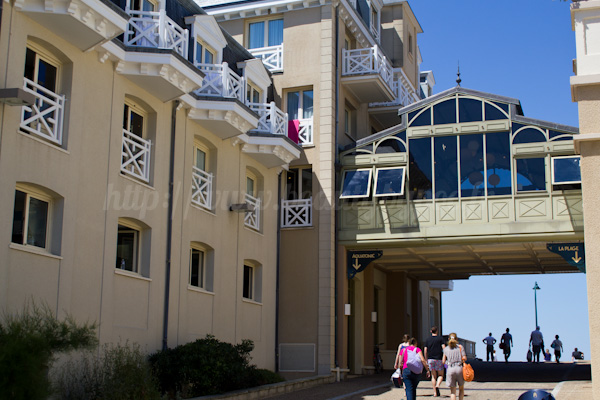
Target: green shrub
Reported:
point(207, 366)
point(118, 372)
point(29, 341)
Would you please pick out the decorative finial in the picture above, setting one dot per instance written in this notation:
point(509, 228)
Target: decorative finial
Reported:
point(458, 80)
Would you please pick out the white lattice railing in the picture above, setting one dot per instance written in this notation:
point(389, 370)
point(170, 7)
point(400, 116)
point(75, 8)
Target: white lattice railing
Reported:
point(296, 213)
point(44, 118)
point(155, 29)
point(375, 32)
point(271, 119)
point(202, 188)
point(271, 56)
point(404, 92)
point(220, 81)
point(369, 60)
point(305, 134)
point(135, 156)
point(252, 218)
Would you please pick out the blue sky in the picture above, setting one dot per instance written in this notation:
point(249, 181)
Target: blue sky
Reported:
point(520, 49)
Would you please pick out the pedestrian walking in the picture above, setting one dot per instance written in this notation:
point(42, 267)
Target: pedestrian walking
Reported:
point(412, 362)
point(558, 349)
point(506, 342)
point(433, 349)
point(454, 357)
point(536, 341)
point(489, 351)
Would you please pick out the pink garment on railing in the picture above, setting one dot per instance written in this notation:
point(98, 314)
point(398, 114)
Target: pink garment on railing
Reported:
point(293, 130)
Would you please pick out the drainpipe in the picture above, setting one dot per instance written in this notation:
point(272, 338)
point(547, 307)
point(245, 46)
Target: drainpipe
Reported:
point(169, 225)
point(335, 183)
point(277, 266)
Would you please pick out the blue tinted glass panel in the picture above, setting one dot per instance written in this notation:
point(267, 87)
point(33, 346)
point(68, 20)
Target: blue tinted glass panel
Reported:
point(554, 135)
point(471, 165)
point(256, 33)
point(356, 183)
point(529, 135)
point(445, 167)
point(445, 112)
point(421, 120)
point(492, 113)
point(402, 135)
point(531, 174)
point(469, 110)
point(566, 170)
point(390, 146)
point(499, 180)
point(420, 177)
point(390, 182)
point(275, 32)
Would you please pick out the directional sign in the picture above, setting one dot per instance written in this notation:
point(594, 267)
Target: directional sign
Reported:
point(573, 253)
point(358, 260)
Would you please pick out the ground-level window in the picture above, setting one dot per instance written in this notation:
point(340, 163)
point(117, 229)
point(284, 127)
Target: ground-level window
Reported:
point(31, 219)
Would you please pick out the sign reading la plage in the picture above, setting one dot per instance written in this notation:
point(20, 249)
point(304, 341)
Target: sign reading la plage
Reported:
point(358, 260)
point(573, 253)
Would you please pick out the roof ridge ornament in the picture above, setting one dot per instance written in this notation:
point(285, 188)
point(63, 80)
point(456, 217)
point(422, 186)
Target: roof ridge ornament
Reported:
point(458, 80)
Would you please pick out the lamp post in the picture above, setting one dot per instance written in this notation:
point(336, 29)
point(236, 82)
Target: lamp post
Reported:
point(535, 289)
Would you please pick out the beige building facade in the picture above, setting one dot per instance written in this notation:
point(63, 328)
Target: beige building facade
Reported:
point(585, 90)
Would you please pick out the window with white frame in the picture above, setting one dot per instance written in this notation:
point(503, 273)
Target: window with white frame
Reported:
point(265, 33)
point(356, 183)
point(31, 218)
point(350, 121)
point(135, 158)
point(566, 170)
point(252, 217)
point(298, 183)
point(253, 93)
point(45, 118)
point(202, 179)
point(204, 54)
point(300, 104)
point(144, 5)
point(201, 267)
point(389, 181)
point(252, 281)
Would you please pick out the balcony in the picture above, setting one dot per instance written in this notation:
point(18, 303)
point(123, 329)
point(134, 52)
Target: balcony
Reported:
point(368, 74)
point(218, 104)
point(271, 119)
point(252, 218)
point(296, 213)
point(135, 156)
point(155, 30)
point(44, 118)
point(83, 23)
point(304, 127)
point(202, 188)
point(271, 56)
point(386, 112)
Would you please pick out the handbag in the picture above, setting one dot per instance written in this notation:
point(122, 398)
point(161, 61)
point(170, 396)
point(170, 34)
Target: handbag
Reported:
point(397, 378)
point(501, 345)
point(468, 373)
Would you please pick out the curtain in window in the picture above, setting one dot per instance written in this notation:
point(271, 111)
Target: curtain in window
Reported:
point(256, 35)
point(293, 104)
point(307, 104)
point(275, 32)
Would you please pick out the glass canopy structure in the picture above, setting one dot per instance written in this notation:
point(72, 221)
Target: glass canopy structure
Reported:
point(462, 164)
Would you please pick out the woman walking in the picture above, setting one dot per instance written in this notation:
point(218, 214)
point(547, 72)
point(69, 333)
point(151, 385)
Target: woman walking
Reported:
point(408, 359)
point(454, 356)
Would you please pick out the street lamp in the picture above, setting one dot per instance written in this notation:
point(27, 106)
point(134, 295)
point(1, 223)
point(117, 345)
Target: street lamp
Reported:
point(535, 289)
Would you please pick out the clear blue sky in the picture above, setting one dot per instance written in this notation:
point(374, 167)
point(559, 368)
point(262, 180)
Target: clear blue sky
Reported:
point(521, 49)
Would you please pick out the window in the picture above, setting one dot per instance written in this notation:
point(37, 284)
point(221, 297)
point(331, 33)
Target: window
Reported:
point(471, 165)
point(299, 183)
point(420, 168)
point(135, 158)
point(204, 54)
point(133, 120)
point(300, 104)
point(445, 167)
point(410, 44)
point(356, 183)
point(531, 174)
point(202, 180)
point(253, 94)
point(45, 117)
point(197, 262)
point(31, 219)
point(144, 5)
point(128, 243)
point(389, 181)
point(350, 121)
point(566, 170)
point(252, 285)
point(251, 185)
point(265, 33)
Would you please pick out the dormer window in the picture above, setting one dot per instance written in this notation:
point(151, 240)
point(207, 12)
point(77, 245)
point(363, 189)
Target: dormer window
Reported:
point(253, 94)
point(204, 53)
point(209, 39)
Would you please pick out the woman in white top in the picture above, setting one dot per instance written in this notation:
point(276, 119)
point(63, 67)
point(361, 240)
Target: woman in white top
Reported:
point(454, 356)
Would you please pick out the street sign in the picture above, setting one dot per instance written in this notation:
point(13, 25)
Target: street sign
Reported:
point(358, 260)
point(573, 253)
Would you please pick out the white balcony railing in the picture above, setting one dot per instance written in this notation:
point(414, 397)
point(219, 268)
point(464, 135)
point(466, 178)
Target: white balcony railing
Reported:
point(44, 118)
point(305, 133)
point(296, 213)
point(375, 32)
point(135, 156)
point(271, 56)
point(404, 94)
point(155, 29)
point(220, 81)
point(369, 60)
point(252, 218)
point(271, 119)
point(202, 188)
